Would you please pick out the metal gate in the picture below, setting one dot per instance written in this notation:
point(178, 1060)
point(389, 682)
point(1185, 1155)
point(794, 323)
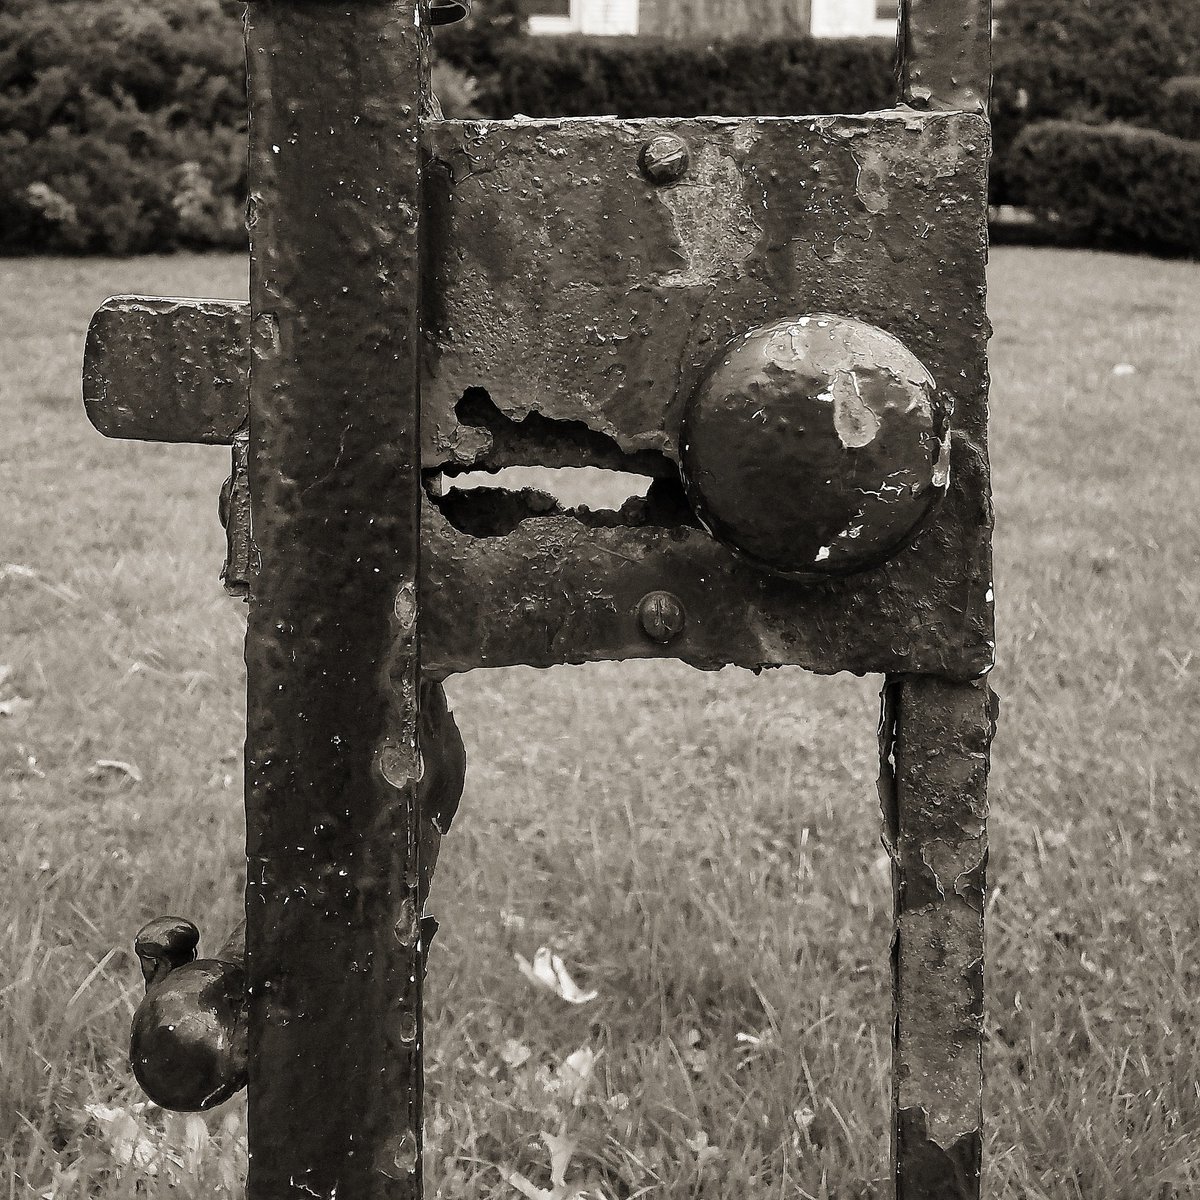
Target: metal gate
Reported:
point(780, 321)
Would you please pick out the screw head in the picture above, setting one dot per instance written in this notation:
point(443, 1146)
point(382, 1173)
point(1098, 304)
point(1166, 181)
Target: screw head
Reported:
point(661, 616)
point(664, 158)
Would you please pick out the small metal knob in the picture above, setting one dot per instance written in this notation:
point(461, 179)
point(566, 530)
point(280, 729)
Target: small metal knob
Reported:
point(816, 446)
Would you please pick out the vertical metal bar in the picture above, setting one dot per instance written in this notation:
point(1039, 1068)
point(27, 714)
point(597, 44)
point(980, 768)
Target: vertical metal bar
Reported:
point(934, 746)
point(336, 94)
point(945, 54)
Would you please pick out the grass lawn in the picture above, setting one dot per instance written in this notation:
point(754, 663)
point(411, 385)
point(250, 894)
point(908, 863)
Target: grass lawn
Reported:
point(702, 849)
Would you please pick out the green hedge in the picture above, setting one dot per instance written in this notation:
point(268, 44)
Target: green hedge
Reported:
point(122, 126)
point(1179, 107)
point(122, 122)
point(641, 77)
point(1112, 186)
point(1094, 61)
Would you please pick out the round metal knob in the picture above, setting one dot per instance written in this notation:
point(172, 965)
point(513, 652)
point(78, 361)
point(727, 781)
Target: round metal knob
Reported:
point(815, 446)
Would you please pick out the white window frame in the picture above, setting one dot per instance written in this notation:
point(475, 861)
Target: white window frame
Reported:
point(849, 18)
point(548, 25)
point(590, 16)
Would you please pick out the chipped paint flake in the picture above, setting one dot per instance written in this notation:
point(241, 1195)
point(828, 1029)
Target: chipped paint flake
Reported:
point(854, 420)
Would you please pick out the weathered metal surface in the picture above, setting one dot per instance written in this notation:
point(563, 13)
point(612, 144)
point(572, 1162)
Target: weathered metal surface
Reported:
point(816, 446)
point(945, 59)
point(565, 283)
point(661, 616)
point(578, 285)
point(588, 302)
point(577, 291)
point(665, 158)
point(188, 1044)
point(333, 947)
point(558, 590)
point(446, 12)
point(934, 742)
point(168, 370)
point(513, 578)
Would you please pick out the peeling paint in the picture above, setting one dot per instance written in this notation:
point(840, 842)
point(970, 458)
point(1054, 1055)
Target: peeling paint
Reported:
point(714, 228)
point(934, 742)
point(854, 421)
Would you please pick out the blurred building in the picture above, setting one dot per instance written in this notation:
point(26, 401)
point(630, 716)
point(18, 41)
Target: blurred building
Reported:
point(703, 18)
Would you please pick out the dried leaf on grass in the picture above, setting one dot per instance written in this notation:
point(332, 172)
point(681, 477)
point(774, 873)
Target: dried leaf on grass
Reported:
point(13, 706)
point(177, 1145)
point(20, 571)
point(575, 1074)
point(124, 1131)
point(703, 1150)
point(106, 770)
point(515, 1054)
point(549, 971)
point(562, 1150)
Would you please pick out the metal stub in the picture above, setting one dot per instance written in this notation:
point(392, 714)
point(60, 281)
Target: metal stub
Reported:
point(664, 159)
point(661, 616)
point(446, 12)
point(815, 446)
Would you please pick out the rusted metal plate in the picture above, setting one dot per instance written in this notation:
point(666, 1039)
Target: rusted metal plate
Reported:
point(576, 289)
point(565, 282)
point(168, 370)
point(935, 739)
point(945, 55)
point(333, 934)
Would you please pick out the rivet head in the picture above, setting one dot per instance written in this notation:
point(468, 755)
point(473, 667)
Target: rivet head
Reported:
point(665, 158)
point(662, 617)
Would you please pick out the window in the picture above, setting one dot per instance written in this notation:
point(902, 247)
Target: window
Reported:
point(603, 17)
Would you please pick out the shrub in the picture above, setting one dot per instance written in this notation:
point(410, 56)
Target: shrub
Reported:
point(123, 126)
point(641, 77)
point(122, 122)
point(1113, 186)
point(457, 92)
point(1179, 107)
point(1096, 61)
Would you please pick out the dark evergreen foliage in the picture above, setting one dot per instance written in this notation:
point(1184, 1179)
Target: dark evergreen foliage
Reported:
point(122, 122)
point(1114, 186)
point(1093, 61)
point(641, 77)
point(122, 125)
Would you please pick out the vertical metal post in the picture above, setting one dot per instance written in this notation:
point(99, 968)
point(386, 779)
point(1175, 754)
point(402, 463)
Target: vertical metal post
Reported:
point(934, 744)
point(336, 93)
point(945, 59)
